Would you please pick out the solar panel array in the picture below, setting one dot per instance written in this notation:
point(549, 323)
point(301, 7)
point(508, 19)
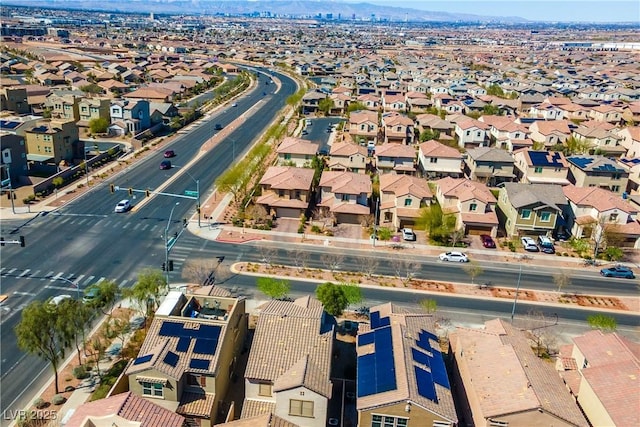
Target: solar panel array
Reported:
point(142, 359)
point(377, 321)
point(425, 384)
point(376, 371)
point(542, 158)
point(171, 359)
point(199, 364)
point(431, 359)
point(7, 124)
point(206, 336)
point(183, 344)
point(365, 339)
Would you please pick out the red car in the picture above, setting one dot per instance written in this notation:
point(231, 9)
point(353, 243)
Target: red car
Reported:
point(487, 241)
point(169, 153)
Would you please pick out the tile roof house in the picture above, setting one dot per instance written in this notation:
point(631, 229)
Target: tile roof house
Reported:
point(593, 211)
point(471, 202)
point(401, 376)
point(597, 171)
point(397, 128)
point(435, 124)
point(347, 156)
point(298, 151)
point(363, 126)
point(286, 190)
point(134, 113)
point(502, 382)
point(605, 141)
point(606, 113)
point(401, 197)
point(530, 208)
point(541, 167)
point(632, 165)
point(395, 158)
point(436, 160)
point(471, 132)
point(345, 195)
point(122, 409)
point(602, 371)
point(289, 365)
point(186, 359)
point(550, 132)
point(264, 420)
point(52, 141)
point(630, 140)
point(489, 165)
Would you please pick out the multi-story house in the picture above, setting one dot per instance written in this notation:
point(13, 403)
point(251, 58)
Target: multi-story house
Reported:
point(546, 111)
point(13, 159)
point(394, 103)
point(606, 113)
point(550, 132)
point(598, 138)
point(401, 376)
point(541, 167)
point(186, 360)
point(14, 99)
point(574, 112)
point(345, 195)
point(288, 372)
point(597, 171)
point(505, 133)
point(401, 197)
point(632, 165)
point(395, 158)
point(489, 165)
point(369, 100)
point(52, 141)
point(132, 115)
point(502, 382)
point(363, 126)
point(435, 124)
point(397, 128)
point(296, 151)
point(286, 191)
point(530, 208)
point(630, 139)
point(602, 216)
point(472, 203)
point(601, 371)
point(311, 101)
point(436, 160)
point(347, 156)
point(471, 133)
point(64, 106)
point(93, 108)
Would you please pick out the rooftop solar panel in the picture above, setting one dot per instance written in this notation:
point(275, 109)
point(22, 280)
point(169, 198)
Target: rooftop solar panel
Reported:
point(375, 320)
point(366, 375)
point(205, 346)
point(143, 359)
point(439, 371)
point(199, 364)
point(384, 321)
point(183, 344)
point(170, 329)
point(421, 357)
point(581, 162)
point(364, 339)
point(425, 384)
point(171, 359)
point(6, 124)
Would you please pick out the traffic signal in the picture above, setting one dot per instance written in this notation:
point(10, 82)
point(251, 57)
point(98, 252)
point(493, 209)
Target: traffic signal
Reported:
point(220, 259)
point(184, 222)
point(1, 241)
point(130, 191)
point(22, 241)
point(147, 193)
point(112, 188)
point(170, 265)
point(164, 267)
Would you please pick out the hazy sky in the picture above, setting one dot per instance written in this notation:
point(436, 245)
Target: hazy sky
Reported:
point(559, 10)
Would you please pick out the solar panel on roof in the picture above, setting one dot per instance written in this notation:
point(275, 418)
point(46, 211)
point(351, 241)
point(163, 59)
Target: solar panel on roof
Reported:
point(205, 346)
point(170, 329)
point(384, 321)
point(143, 359)
point(420, 357)
point(423, 340)
point(199, 364)
point(425, 384)
point(366, 375)
point(6, 124)
point(364, 339)
point(581, 162)
point(375, 320)
point(438, 370)
point(171, 359)
point(183, 344)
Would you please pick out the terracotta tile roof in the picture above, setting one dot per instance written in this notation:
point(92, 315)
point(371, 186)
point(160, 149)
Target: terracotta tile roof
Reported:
point(128, 406)
point(264, 420)
point(290, 339)
point(253, 408)
point(403, 185)
point(395, 150)
point(598, 198)
point(291, 145)
point(546, 127)
point(486, 218)
point(346, 182)
point(347, 149)
point(196, 404)
point(490, 154)
point(464, 189)
point(273, 200)
point(288, 178)
point(433, 148)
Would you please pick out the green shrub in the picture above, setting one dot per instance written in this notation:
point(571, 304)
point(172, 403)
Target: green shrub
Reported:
point(39, 403)
point(58, 399)
point(316, 229)
point(80, 372)
point(301, 229)
point(512, 246)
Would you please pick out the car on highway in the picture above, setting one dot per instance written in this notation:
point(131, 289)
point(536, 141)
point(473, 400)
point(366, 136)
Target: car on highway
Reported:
point(487, 241)
point(235, 104)
point(408, 235)
point(218, 126)
point(165, 164)
point(453, 256)
point(529, 244)
point(169, 153)
point(59, 298)
point(123, 206)
point(618, 271)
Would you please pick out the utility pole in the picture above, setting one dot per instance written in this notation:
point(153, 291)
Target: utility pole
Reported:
point(515, 300)
point(167, 247)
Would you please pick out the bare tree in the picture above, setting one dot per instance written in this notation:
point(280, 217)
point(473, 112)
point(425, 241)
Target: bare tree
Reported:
point(404, 269)
point(198, 270)
point(562, 280)
point(323, 216)
point(258, 213)
point(267, 254)
point(299, 257)
point(473, 269)
point(368, 265)
point(332, 260)
point(539, 328)
point(456, 235)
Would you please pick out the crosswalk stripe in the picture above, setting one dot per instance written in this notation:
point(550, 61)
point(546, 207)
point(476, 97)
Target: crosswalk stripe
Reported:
point(123, 283)
point(79, 279)
point(46, 276)
point(24, 273)
point(81, 221)
point(56, 277)
point(127, 224)
point(27, 294)
point(100, 280)
point(145, 226)
point(11, 271)
point(2, 270)
point(62, 288)
point(35, 273)
point(89, 280)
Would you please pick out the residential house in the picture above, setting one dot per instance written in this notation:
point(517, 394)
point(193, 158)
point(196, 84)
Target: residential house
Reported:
point(124, 409)
point(395, 158)
point(397, 128)
point(602, 216)
point(13, 159)
point(93, 108)
point(492, 166)
point(401, 197)
point(286, 191)
point(345, 195)
point(526, 209)
point(597, 171)
point(500, 381)
point(64, 106)
point(630, 140)
point(132, 115)
point(541, 167)
point(394, 103)
point(632, 165)
point(546, 111)
point(297, 152)
point(288, 372)
point(264, 420)
point(311, 101)
point(401, 375)
point(606, 113)
point(363, 126)
point(152, 94)
point(14, 99)
point(472, 133)
point(574, 111)
point(347, 156)
point(340, 103)
point(505, 133)
point(187, 358)
point(603, 140)
point(436, 160)
point(601, 371)
point(438, 127)
point(162, 112)
point(52, 142)
point(369, 100)
point(550, 132)
point(471, 202)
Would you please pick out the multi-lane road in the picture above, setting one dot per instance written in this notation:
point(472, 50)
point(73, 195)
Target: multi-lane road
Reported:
point(85, 241)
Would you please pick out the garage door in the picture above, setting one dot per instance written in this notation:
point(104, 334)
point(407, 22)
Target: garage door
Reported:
point(348, 219)
point(287, 213)
point(478, 229)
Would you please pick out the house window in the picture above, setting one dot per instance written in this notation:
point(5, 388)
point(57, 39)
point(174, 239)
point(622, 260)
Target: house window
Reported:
point(468, 132)
point(388, 421)
point(407, 202)
point(497, 423)
point(525, 214)
point(473, 207)
point(287, 156)
point(545, 216)
point(615, 176)
point(433, 160)
point(264, 389)
point(538, 169)
point(615, 188)
point(197, 380)
point(301, 408)
point(345, 197)
point(151, 389)
point(613, 217)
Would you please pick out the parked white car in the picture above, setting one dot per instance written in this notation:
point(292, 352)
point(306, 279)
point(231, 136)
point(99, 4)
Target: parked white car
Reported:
point(529, 244)
point(408, 235)
point(59, 298)
point(454, 256)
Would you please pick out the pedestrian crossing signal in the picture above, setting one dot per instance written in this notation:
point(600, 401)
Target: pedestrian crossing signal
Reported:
point(170, 265)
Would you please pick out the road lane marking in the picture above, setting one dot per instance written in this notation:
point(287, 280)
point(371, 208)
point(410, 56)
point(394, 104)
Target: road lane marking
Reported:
point(89, 280)
point(27, 294)
point(46, 276)
point(24, 273)
point(11, 271)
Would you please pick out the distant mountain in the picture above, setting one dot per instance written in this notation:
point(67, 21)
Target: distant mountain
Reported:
point(284, 8)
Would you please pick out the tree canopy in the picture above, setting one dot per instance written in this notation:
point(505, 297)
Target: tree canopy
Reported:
point(333, 297)
point(603, 322)
point(273, 288)
point(149, 287)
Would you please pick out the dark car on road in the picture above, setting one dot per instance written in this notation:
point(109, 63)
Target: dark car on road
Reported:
point(618, 271)
point(218, 126)
point(487, 241)
point(169, 153)
point(165, 164)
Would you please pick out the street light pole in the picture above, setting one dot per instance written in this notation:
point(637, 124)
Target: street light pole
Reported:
point(13, 208)
point(75, 285)
point(197, 181)
point(166, 244)
point(86, 166)
point(515, 300)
